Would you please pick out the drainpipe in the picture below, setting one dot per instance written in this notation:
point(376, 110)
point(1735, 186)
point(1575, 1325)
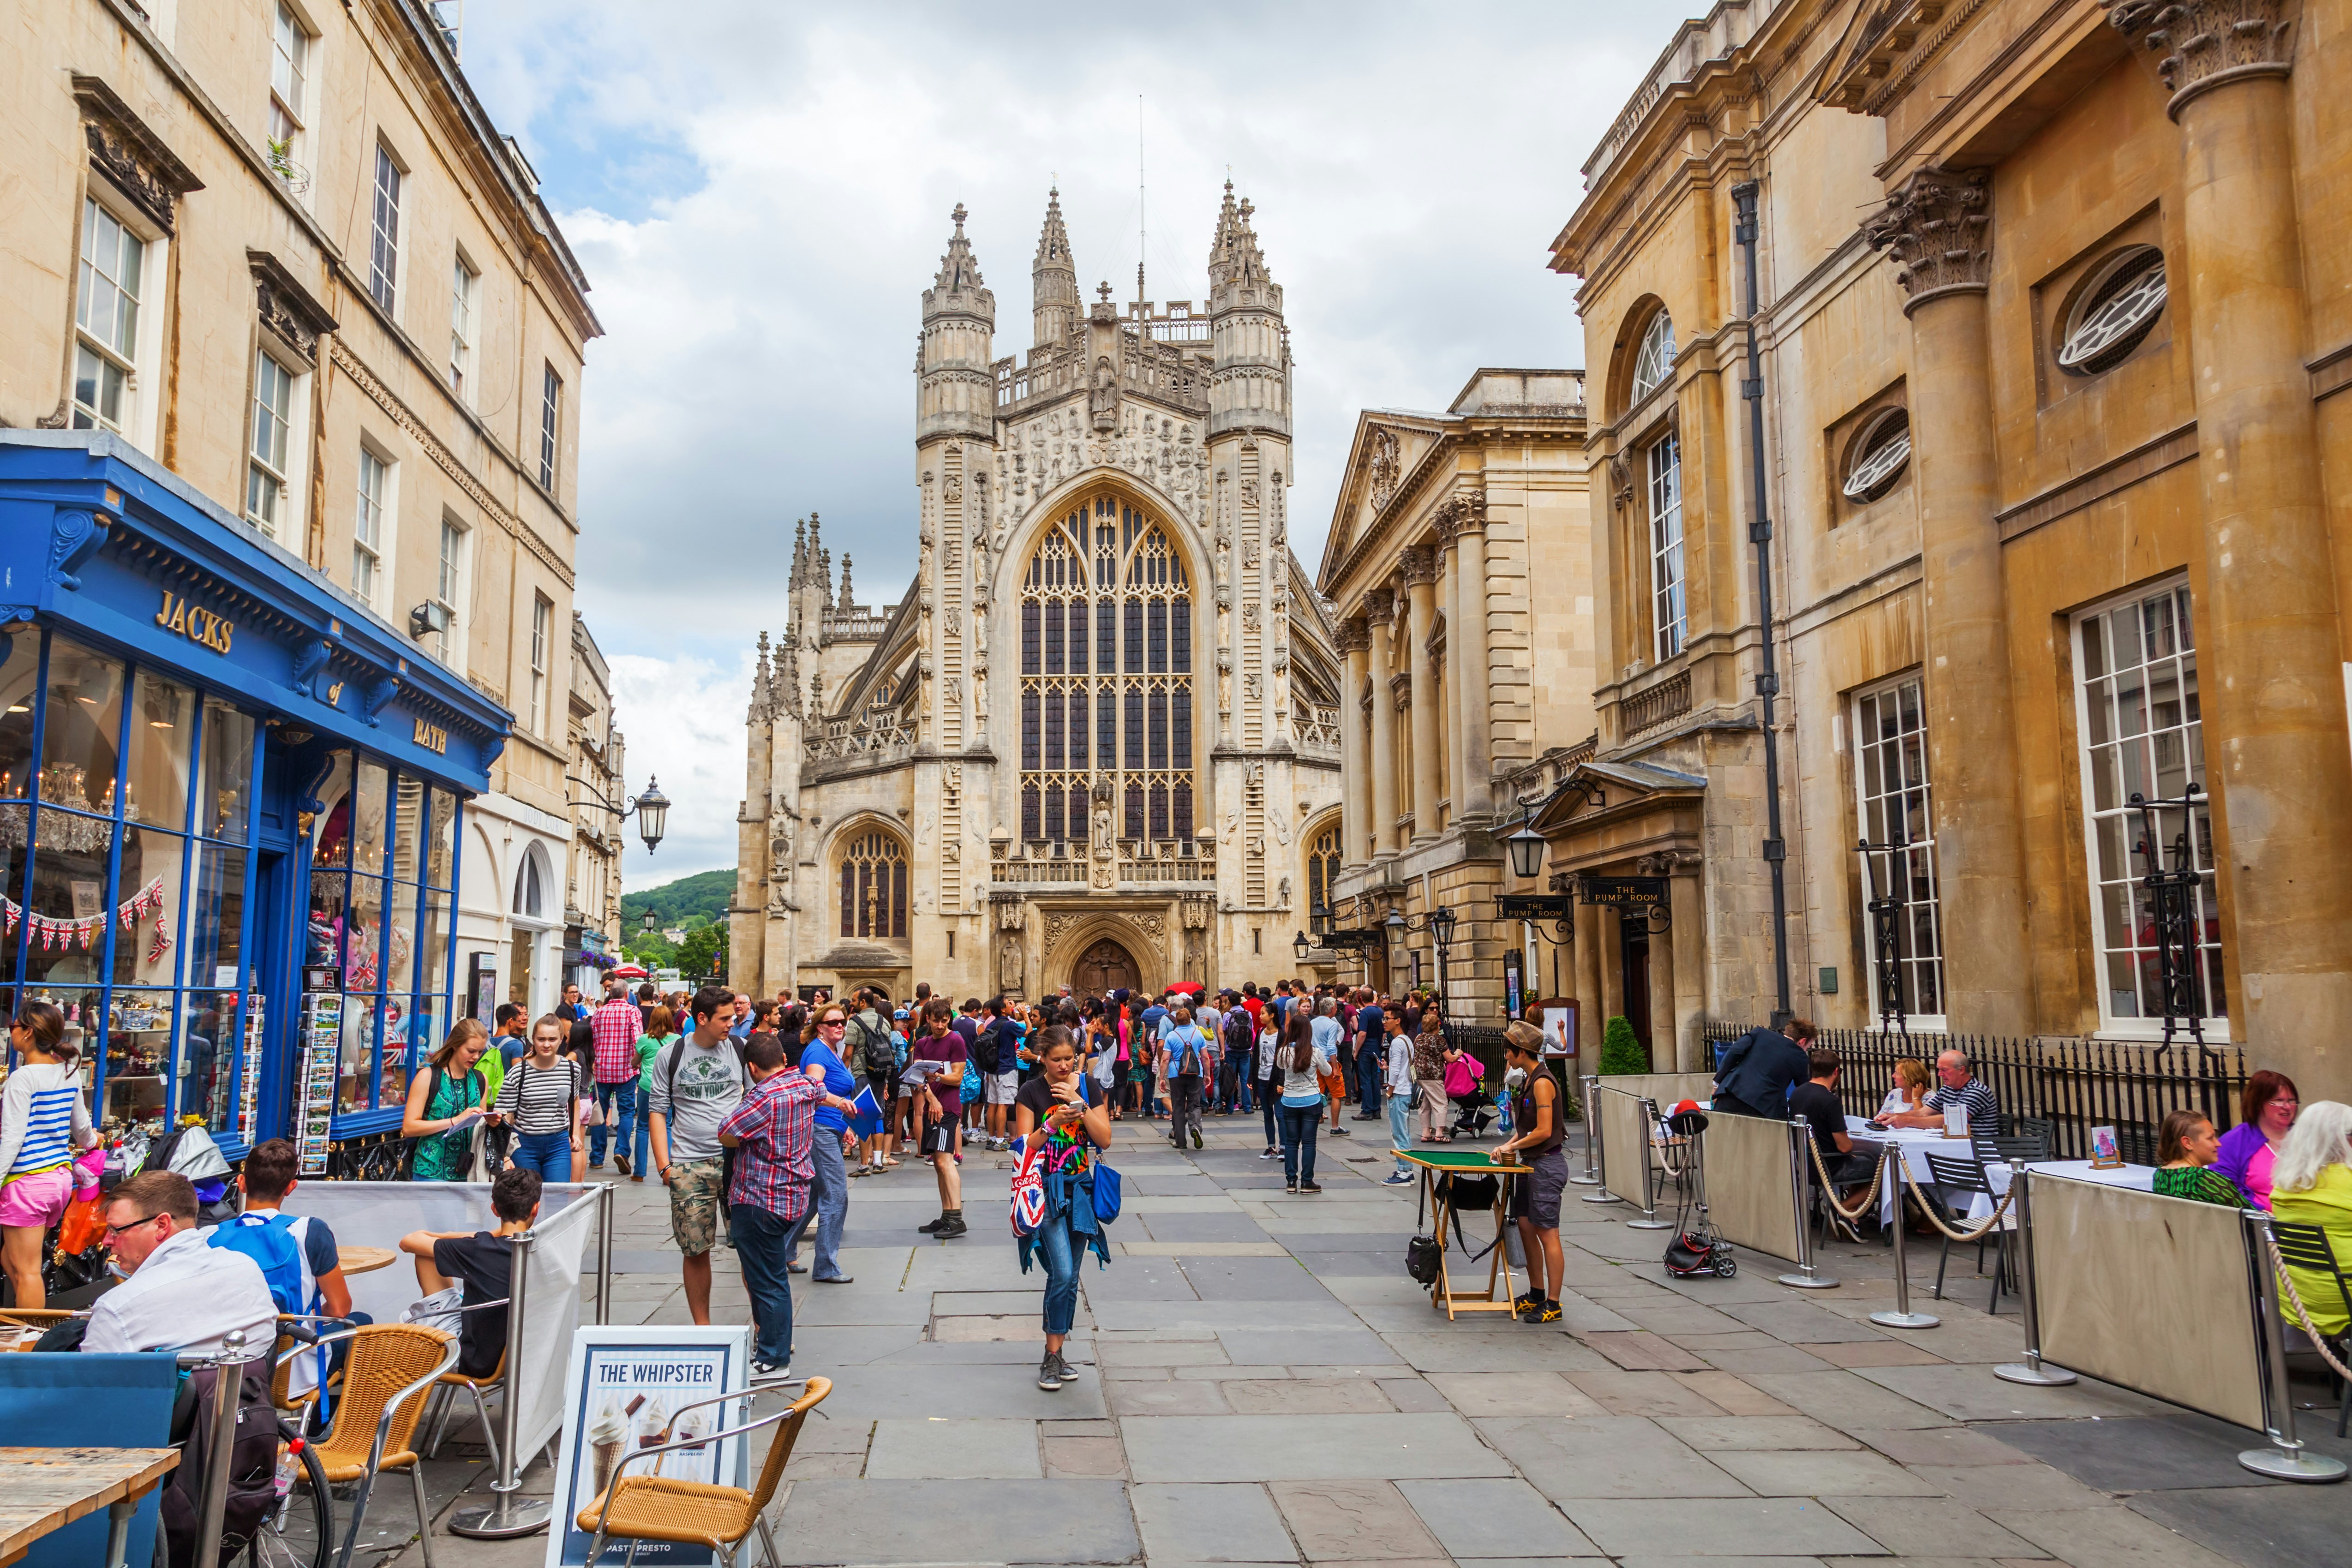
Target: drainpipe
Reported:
point(1760, 534)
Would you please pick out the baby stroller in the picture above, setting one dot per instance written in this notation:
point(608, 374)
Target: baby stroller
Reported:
point(1473, 1107)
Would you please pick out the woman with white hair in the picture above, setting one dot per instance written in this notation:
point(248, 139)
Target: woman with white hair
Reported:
point(2312, 1184)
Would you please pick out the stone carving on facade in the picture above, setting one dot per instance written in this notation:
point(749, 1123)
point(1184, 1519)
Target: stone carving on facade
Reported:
point(1253, 688)
point(1350, 635)
point(1386, 468)
point(2200, 43)
point(1939, 223)
point(1418, 564)
point(1380, 608)
point(130, 154)
point(287, 310)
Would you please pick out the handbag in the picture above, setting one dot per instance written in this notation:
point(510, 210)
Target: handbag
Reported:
point(1423, 1254)
point(969, 1086)
point(1107, 1194)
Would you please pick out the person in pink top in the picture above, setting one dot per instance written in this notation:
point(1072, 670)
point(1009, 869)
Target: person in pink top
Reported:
point(2249, 1150)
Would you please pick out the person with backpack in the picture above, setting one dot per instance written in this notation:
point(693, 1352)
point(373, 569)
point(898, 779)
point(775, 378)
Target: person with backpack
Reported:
point(182, 1292)
point(42, 1122)
point(867, 1051)
point(541, 1100)
point(297, 1253)
point(1190, 1055)
point(661, 1030)
point(696, 1082)
point(446, 1102)
point(1064, 1124)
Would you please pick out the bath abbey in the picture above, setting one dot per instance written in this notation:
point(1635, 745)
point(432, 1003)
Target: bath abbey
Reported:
point(1095, 742)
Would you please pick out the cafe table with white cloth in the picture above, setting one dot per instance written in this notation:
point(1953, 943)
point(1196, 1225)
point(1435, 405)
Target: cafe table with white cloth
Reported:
point(1916, 1143)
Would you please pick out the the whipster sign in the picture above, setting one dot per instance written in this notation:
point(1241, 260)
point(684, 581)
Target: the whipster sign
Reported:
point(631, 1390)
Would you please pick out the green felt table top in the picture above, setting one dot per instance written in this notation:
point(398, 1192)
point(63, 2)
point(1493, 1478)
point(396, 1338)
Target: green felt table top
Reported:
point(1459, 1159)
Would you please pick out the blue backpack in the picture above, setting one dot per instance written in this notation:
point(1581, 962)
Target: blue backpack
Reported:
point(269, 1241)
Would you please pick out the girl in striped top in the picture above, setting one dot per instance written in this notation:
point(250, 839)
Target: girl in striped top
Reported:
point(541, 1099)
point(42, 1123)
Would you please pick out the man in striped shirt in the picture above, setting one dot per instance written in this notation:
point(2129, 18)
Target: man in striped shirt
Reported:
point(773, 1133)
point(616, 1027)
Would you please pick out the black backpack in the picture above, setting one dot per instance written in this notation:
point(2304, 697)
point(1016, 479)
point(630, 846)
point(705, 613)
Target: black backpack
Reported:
point(252, 1461)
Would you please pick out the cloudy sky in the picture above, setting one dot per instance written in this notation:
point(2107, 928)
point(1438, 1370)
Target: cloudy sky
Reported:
point(759, 192)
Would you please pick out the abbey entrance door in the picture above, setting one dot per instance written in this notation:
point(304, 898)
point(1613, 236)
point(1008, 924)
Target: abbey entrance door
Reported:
point(1102, 968)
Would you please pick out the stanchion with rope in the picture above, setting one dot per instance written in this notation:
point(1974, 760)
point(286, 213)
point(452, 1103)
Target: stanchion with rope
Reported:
point(1592, 1178)
point(1991, 1224)
point(2286, 1460)
point(1901, 1317)
point(1806, 1277)
point(2030, 1371)
point(1845, 1216)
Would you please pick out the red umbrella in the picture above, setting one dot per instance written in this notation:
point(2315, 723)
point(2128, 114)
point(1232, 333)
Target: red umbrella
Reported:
point(1192, 987)
point(627, 971)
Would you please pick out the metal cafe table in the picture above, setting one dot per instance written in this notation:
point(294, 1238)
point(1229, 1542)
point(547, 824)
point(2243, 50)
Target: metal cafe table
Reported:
point(1435, 1162)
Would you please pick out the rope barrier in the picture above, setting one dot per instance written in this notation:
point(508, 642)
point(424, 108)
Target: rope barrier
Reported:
point(2295, 1299)
point(1828, 1188)
point(1930, 1209)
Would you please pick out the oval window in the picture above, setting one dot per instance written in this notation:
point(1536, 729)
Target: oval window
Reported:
point(1655, 360)
point(1880, 455)
point(2115, 313)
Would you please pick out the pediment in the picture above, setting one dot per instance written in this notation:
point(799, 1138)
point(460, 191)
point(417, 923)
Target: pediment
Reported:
point(1390, 445)
point(1592, 792)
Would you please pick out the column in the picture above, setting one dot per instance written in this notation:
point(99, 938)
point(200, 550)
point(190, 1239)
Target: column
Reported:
point(1380, 611)
point(1666, 1038)
point(1938, 224)
point(1688, 940)
point(1449, 677)
point(1354, 640)
point(1608, 960)
point(1421, 587)
point(1469, 651)
point(2269, 659)
point(1592, 1011)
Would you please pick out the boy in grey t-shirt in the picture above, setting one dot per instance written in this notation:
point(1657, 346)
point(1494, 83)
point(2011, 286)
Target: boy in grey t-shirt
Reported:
point(696, 1082)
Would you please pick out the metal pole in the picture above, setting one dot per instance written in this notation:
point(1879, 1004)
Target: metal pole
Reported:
point(1649, 1220)
point(1592, 1178)
point(510, 1513)
point(2031, 1370)
point(1902, 1317)
point(1760, 533)
point(605, 1255)
point(1592, 1141)
point(1800, 1133)
point(228, 1386)
point(2285, 1459)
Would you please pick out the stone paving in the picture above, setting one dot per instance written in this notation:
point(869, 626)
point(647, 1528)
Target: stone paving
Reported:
point(1261, 1383)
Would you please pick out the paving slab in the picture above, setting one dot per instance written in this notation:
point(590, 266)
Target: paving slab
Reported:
point(1227, 1523)
point(2032, 1486)
point(1950, 1447)
point(1846, 1400)
point(1755, 1433)
point(1291, 1347)
point(1305, 1396)
point(1530, 1349)
point(934, 1449)
point(1134, 1280)
point(1489, 1519)
point(1718, 1527)
point(1799, 1322)
point(1353, 1521)
point(1478, 1393)
point(1643, 1351)
point(1651, 1393)
point(2115, 1538)
point(1253, 1279)
point(1973, 1394)
point(835, 1522)
point(1414, 1394)
point(1303, 1447)
point(2294, 1527)
point(1735, 1395)
point(1130, 1397)
point(1009, 1390)
point(1913, 1526)
point(1605, 1457)
point(2163, 1454)
point(1854, 1473)
point(1229, 1226)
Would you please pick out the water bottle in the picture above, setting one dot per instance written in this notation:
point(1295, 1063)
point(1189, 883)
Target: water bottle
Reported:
point(290, 1463)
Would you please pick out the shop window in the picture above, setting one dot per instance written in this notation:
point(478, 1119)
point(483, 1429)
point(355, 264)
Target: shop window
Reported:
point(1667, 618)
point(2116, 311)
point(2142, 737)
point(874, 887)
point(1878, 458)
point(1890, 754)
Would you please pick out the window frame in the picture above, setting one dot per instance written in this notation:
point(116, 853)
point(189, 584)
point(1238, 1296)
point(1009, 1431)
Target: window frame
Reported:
point(374, 545)
point(1654, 361)
point(383, 239)
point(135, 413)
point(543, 636)
point(2142, 1026)
point(452, 563)
point(873, 873)
point(292, 118)
point(1668, 570)
point(550, 427)
point(465, 287)
point(1864, 740)
point(285, 520)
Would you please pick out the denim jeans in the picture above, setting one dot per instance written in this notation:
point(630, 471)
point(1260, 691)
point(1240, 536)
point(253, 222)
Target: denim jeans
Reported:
point(623, 1095)
point(761, 1242)
point(1184, 1100)
point(549, 1154)
point(1401, 1129)
point(642, 1163)
point(1269, 1100)
point(1299, 1124)
point(1060, 1251)
point(828, 1206)
point(1368, 1078)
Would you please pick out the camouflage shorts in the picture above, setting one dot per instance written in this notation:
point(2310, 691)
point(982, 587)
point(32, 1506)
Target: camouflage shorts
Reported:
point(694, 1204)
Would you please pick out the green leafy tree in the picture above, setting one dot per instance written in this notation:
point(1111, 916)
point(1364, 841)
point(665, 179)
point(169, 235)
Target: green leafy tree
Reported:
point(1619, 1051)
point(698, 951)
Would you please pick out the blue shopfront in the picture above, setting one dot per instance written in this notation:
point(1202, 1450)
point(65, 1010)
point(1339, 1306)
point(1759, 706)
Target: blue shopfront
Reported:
point(230, 798)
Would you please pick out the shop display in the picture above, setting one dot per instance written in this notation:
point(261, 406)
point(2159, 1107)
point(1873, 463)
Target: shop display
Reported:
point(314, 1107)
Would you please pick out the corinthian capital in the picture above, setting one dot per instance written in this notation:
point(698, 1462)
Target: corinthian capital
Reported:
point(1939, 223)
point(1351, 637)
point(1380, 606)
point(2205, 43)
point(1418, 564)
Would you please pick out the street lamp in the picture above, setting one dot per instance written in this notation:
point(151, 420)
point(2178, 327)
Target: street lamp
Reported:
point(1526, 846)
point(1301, 946)
point(1318, 919)
point(651, 809)
point(647, 924)
point(1439, 923)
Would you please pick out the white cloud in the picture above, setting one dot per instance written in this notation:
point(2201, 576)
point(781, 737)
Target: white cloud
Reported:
point(759, 194)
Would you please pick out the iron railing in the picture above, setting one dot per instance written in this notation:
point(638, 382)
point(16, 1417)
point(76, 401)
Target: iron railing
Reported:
point(2073, 1084)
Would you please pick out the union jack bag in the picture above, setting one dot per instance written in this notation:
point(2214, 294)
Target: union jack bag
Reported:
point(1029, 1186)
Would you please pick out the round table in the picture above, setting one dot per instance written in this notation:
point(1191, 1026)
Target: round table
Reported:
point(364, 1259)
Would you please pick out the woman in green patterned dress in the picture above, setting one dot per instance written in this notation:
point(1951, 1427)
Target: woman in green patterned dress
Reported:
point(2186, 1147)
point(443, 1104)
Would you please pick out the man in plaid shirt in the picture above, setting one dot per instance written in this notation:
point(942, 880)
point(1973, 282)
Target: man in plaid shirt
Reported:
point(773, 1133)
point(616, 1027)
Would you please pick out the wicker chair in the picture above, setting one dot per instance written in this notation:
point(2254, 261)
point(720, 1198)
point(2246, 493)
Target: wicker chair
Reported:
point(444, 1395)
point(390, 1370)
point(694, 1513)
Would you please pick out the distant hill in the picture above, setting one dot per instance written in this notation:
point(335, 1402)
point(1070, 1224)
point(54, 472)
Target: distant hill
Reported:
point(706, 894)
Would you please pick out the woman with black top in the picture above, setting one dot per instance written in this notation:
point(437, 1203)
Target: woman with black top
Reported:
point(1537, 1140)
point(1061, 1107)
point(541, 1099)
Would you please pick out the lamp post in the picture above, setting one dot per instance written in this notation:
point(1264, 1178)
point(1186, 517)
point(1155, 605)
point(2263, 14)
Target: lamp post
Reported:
point(1439, 923)
point(651, 809)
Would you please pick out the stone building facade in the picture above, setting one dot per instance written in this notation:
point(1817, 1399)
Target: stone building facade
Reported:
point(2049, 442)
point(279, 248)
point(592, 881)
point(1459, 557)
point(1095, 741)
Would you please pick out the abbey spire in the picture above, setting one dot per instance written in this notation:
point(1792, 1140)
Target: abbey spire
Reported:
point(1054, 279)
point(954, 394)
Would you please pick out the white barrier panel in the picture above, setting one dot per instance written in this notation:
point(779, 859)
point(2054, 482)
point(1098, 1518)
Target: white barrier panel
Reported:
point(2149, 1293)
point(378, 1213)
point(1626, 1127)
point(1751, 1191)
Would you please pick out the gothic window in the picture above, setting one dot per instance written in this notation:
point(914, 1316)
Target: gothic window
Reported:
point(1107, 678)
point(1322, 868)
point(874, 887)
